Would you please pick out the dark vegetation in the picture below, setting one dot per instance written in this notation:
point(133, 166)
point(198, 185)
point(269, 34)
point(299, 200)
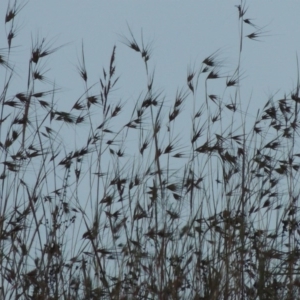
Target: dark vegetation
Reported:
point(130, 212)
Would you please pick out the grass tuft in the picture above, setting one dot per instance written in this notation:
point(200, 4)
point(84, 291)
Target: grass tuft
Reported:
point(146, 202)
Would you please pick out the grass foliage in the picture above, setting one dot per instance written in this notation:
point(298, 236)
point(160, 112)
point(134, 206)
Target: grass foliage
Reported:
point(132, 212)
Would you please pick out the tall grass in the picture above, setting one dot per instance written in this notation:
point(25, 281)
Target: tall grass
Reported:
point(130, 212)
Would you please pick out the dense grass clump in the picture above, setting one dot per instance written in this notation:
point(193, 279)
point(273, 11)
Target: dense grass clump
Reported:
point(136, 209)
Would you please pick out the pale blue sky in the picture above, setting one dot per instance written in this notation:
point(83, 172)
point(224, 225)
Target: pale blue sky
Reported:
point(183, 32)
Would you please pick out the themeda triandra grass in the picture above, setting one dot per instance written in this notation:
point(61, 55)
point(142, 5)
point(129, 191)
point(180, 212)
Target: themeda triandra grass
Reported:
point(132, 212)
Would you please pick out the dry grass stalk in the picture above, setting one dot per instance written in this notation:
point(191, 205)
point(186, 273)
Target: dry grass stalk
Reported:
point(237, 240)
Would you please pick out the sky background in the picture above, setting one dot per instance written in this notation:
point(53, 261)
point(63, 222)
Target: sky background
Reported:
point(182, 34)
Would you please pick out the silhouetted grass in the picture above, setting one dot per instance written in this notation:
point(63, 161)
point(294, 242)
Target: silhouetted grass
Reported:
point(132, 212)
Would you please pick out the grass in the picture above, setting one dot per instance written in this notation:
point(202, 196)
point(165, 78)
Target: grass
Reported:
point(132, 212)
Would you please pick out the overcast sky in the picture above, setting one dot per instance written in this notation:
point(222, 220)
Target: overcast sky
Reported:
point(181, 32)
